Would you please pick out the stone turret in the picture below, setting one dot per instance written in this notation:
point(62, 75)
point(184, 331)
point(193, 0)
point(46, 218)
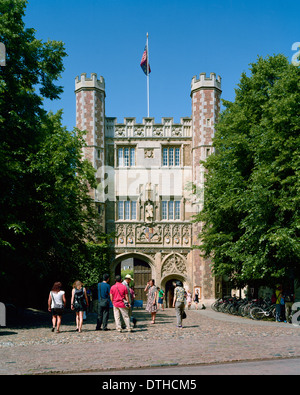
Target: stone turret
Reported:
point(90, 117)
point(205, 94)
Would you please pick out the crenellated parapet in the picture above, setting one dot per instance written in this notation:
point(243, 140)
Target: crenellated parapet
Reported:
point(148, 128)
point(93, 83)
point(205, 82)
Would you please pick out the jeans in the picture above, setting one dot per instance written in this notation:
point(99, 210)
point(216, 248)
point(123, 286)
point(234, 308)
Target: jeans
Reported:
point(280, 312)
point(103, 315)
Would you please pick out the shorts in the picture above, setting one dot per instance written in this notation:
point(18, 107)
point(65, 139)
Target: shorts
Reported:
point(160, 300)
point(57, 312)
point(80, 307)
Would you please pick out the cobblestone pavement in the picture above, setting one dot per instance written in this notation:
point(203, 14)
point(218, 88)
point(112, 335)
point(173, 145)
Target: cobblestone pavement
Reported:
point(206, 338)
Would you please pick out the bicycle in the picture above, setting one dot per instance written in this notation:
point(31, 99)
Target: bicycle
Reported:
point(258, 313)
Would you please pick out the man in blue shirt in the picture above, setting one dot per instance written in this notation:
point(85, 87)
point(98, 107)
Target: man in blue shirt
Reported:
point(103, 303)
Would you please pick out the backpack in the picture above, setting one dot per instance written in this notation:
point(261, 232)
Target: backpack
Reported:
point(79, 298)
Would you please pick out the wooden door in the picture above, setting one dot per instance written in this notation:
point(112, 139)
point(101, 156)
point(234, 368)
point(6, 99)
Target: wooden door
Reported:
point(142, 274)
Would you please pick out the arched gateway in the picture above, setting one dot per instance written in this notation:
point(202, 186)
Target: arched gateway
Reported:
point(142, 269)
point(164, 267)
point(143, 172)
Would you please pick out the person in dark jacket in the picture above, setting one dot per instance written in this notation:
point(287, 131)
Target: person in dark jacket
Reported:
point(103, 303)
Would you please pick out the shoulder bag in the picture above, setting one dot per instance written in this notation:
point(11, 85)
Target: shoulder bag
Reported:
point(57, 307)
point(124, 300)
point(102, 302)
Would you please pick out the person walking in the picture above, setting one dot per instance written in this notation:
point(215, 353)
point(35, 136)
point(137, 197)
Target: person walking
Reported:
point(103, 303)
point(196, 298)
point(289, 300)
point(151, 306)
point(189, 298)
point(179, 302)
point(280, 309)
point(161, 296)
point(126, 282)
point(120, 300)
point(56, 305)
point(79, 303)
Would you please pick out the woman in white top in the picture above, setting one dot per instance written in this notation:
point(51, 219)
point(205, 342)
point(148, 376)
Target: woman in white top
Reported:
point(56, 304)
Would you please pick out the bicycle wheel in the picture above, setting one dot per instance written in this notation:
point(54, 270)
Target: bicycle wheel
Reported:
point(246, 310)
point(273, 310)
point(257, 313)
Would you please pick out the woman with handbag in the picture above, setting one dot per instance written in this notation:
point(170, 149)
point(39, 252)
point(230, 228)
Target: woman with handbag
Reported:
point(79, 303)
point(56, 305)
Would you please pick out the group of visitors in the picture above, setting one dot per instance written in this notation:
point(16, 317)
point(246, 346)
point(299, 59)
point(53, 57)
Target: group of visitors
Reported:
point(190, 299)
point(121, 296)
point(57, 303)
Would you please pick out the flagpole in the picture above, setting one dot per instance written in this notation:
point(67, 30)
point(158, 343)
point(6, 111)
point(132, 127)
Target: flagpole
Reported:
point(148, 75)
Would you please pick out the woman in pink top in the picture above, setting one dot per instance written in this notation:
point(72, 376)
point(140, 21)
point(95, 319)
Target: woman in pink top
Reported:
point(119, 297)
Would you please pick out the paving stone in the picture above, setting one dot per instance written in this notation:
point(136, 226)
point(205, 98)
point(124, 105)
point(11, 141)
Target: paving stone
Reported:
point(207, 337)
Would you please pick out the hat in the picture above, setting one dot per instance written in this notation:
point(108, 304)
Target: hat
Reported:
point(128, 276)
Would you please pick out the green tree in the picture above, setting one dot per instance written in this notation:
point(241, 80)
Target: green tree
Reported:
point(95, 262)
point(46, 215)
point(251, 205)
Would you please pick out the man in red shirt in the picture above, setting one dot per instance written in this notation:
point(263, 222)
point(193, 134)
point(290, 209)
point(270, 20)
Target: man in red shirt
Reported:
point(118, 293)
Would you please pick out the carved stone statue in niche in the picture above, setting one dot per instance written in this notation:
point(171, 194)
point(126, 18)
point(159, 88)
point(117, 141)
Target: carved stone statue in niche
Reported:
point(149, 212)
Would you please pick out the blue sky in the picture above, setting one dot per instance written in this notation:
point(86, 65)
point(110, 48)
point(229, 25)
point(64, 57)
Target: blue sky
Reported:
point(186, 38)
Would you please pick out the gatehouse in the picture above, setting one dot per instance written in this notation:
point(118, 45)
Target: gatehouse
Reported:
point(150, 184)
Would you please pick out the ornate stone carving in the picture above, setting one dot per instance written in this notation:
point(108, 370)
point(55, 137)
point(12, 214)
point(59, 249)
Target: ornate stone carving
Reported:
point(147, 234)
point(177, 131)
point(186, 235)
point(168, 235)
point(149, 153)
point(139, 131)
point(158, 131)
point(120, 233)
point(130, 234)
point(176, 234)
point(120, 132)
point(174, 264)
